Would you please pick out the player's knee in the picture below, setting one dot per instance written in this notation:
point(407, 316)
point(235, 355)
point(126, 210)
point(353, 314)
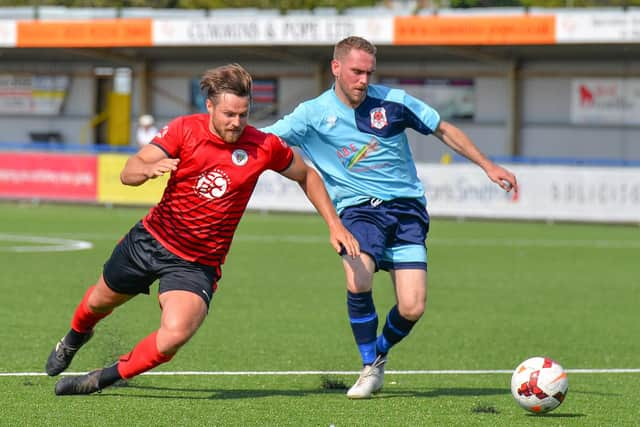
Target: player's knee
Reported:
point(177, 332)
point(97, 304)
point(412, 312)
point(170, 340)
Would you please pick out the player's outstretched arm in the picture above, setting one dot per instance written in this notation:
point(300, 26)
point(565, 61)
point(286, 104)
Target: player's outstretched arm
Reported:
point(314, 188)
point(148, 163)
point(458, 141)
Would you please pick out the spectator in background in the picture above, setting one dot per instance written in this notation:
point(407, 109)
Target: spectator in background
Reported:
point(146, 130)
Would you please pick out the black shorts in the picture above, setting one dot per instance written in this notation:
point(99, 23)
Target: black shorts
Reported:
point(139, 259)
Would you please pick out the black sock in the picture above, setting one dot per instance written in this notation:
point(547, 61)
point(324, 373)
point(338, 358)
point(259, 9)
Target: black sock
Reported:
point(74, 339)
point(108, 376)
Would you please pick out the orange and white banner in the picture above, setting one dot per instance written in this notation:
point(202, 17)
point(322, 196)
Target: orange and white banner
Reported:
point(469, 29)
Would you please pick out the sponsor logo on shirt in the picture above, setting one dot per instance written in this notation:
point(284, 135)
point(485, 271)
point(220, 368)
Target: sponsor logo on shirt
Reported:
point(378, 117)
point(331, 121)
point(363, 152)
point(212, 184)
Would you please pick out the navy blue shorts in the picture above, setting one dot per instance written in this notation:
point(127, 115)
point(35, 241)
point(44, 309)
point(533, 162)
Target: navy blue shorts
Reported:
point(139, 259)
point(393, 233)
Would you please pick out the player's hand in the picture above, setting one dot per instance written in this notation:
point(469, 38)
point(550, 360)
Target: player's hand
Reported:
point(505, 179)
point(341, 238)
point(161, 167)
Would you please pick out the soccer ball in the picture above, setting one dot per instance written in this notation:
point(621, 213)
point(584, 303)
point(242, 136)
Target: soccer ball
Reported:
point(539, 384)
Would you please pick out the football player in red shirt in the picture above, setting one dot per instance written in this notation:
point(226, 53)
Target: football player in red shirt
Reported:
point(215, 160)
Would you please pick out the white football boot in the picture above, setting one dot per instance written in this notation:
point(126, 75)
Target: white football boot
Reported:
point(370, 381)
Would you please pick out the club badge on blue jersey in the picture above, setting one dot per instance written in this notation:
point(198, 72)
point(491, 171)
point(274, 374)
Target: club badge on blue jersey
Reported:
point(378, 117)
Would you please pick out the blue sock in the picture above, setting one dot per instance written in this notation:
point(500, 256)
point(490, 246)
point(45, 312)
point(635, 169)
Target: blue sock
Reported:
point(364, 324)
point(395, 329)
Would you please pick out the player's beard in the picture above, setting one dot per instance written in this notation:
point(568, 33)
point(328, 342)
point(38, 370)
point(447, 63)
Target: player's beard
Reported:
point(354, 94)
point(228, 135)
point(358, 94)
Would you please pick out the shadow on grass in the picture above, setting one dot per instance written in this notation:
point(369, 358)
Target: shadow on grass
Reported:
point(554, 415)
point(445, 391)
point(225, 394)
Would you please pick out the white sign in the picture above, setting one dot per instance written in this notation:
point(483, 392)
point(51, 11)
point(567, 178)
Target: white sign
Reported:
point(32, 94)
point(600, 27)
point(605, 101)
point(7, 33)
point(562, 193)
point(293, 30)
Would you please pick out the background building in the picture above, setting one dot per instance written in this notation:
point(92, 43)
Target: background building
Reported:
point(534, 83)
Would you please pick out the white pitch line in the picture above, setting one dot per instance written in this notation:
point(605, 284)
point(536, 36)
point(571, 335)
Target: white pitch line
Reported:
point(289, 373)
point(42, 244)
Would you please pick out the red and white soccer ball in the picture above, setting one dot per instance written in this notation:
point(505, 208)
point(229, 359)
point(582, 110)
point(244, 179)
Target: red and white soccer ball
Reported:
point(539, 384)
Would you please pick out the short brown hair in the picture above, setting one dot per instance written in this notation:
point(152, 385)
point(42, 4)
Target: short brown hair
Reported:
point(344, 46)
point(231, 78)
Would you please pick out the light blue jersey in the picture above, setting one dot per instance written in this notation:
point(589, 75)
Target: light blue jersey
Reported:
point(362, 153)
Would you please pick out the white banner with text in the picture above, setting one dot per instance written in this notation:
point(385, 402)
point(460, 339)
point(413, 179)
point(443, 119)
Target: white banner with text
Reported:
point(605, 101)
point(290, 30)
point(562, 193)
point(603, 26)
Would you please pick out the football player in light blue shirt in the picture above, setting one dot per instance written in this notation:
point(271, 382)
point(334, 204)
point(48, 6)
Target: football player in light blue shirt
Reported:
point(354, 133)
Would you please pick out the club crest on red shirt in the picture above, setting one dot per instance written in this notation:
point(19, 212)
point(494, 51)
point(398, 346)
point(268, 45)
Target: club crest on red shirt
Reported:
point(378, 117)
point(212, 184)
point(239, 157)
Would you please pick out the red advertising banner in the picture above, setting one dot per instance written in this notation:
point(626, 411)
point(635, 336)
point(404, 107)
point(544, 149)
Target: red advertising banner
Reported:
point(48, 176)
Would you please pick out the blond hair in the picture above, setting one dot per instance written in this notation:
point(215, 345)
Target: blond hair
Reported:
point(344, 46)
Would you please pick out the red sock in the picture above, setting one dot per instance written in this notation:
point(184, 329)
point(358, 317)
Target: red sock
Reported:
point(83, 318)
point(143, 357)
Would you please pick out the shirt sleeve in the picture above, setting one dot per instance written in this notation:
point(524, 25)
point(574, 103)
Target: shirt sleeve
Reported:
point(420, 116)
point(281, 154)
point(170, 138)
point(292, 127)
